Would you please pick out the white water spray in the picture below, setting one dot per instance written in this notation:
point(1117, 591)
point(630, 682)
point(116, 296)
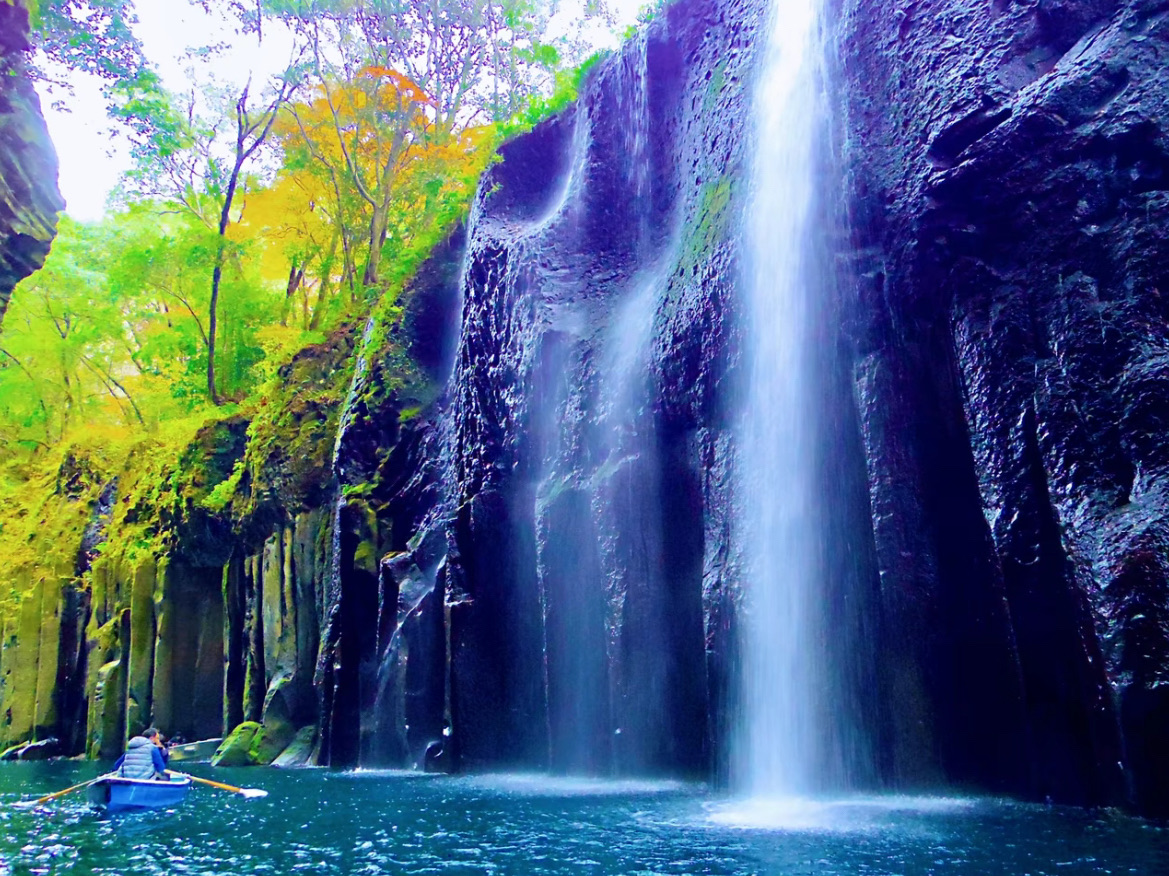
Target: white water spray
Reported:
point(778, 752)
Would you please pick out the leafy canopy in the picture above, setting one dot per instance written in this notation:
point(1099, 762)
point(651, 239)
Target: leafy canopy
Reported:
point(259, 218)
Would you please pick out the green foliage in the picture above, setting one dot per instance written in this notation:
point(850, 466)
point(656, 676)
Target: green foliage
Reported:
point(105, 352)
point(90, 36)
point(286, 466)
point(567, 84)
point(157, 126)
point(478, 60)
point(710, 223)
point(112, 332)
point(46, 511)
point(56, 355)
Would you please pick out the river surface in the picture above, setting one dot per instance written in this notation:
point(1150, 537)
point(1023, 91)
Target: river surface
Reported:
point(319, 822)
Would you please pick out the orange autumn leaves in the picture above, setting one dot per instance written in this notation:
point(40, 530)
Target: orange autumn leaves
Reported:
point(369, 183)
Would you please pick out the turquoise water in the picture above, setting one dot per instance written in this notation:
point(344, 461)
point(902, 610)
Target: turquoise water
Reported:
point(318, 822)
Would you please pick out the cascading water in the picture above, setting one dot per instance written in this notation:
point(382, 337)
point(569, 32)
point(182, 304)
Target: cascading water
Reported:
point(779, 747)
point(597, 501)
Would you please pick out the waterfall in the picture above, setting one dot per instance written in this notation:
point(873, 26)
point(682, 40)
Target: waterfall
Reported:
point(778, 752)
point(604, 589)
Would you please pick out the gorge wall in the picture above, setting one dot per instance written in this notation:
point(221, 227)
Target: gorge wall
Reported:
point(508, 541)
point(29, 200)
point(1007, 176)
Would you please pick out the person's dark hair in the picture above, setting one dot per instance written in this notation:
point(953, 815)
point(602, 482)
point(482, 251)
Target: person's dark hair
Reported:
point(150, 732)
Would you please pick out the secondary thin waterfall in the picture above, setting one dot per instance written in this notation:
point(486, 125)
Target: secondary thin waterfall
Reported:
point(778, 749)
point(600, 465)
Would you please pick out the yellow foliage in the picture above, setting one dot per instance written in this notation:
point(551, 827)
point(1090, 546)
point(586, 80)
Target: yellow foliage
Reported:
point(351, 149)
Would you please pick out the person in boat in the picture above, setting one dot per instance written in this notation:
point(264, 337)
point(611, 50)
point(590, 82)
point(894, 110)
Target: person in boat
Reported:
point(145, 758)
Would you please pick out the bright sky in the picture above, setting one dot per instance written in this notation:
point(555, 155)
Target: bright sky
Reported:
point(93, 156)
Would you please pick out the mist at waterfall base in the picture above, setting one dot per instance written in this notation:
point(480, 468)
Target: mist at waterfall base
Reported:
point(321, 822)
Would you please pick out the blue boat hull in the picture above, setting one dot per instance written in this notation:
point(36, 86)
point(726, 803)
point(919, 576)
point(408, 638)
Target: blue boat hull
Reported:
point(116, 794)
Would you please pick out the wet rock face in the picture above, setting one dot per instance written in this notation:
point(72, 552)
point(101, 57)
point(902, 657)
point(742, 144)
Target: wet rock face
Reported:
point(1008, 170)
point(993, 389)
point(536, 568)
point(591, 378)
point(29, 200)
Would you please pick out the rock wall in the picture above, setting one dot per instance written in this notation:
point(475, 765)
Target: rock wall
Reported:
point(991, 388)
point(558, 604)
point(510, 543)
point(1007, 168)
point(29, 200)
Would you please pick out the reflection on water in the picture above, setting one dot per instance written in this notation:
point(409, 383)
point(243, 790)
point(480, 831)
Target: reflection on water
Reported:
point(318, 822)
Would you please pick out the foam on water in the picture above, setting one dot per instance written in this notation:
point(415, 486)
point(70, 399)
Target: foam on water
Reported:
point(542, 784)
point(835, 815)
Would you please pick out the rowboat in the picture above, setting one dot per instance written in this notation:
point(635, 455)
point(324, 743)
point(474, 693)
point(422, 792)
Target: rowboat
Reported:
point(194, 752)
point(115, 793)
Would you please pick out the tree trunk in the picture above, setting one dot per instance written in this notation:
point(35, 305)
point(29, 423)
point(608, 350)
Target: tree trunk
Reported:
point(258, 132)
point(318, 314)
point(295, 277)
point(212, 320)
point(377, 239)
point(217, 276)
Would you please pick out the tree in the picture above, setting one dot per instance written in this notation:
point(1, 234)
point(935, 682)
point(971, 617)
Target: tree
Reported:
point(62, 351)
point(250, 133)
point(255, 215)
point(89, 36)
point(185, 160)
point(394, 78)
point(363, 132)
point(360, 155)
point(299, 237)
point(477, 60)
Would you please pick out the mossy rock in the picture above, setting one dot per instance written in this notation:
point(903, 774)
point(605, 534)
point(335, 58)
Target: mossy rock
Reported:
point(300, 751)
point(280, 708)
point(252, 744)
point(201, 534)
point(236, 749)
point(40, 750)
point(287, 467)
point(270, 742)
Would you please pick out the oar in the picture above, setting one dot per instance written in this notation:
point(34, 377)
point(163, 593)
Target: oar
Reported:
point(58, 794)
point(246, 792)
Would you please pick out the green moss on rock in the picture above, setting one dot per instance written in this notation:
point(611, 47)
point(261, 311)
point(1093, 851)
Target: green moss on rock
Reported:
point(107, 722)
point(287, 466)
point(252, 744)
point(236, 749)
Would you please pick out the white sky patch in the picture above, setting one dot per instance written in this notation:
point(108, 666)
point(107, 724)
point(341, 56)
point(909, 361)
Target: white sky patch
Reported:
point(93, 154)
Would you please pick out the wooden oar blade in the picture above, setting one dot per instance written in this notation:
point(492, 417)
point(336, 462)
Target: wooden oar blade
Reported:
point(243, 792)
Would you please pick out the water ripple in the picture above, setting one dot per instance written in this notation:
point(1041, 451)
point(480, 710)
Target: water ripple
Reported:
point(317, 822)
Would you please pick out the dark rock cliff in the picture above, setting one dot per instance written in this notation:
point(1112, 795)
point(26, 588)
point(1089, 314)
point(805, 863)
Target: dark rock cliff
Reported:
point(511, 543)
point(1007, 167)
point(560, 605)
point(29, 201)
point(991, 382)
